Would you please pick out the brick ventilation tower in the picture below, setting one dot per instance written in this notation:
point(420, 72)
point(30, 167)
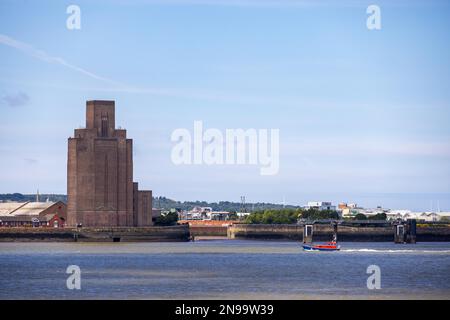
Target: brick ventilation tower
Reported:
point(100, 187)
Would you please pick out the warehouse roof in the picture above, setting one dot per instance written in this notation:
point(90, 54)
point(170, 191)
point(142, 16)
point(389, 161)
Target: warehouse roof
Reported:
point(23, 208)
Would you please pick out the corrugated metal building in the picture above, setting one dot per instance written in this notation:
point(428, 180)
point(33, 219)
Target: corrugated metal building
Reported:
point(33, 214)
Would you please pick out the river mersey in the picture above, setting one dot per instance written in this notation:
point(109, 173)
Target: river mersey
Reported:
point(223, 269)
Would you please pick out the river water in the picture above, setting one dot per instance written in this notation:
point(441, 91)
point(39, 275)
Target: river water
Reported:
point(223, 269)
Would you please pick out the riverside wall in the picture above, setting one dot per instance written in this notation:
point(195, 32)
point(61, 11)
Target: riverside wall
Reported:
point(184, 232)
point(208, 228)
point(208, 231)
point(324, 232)
point(122, 234)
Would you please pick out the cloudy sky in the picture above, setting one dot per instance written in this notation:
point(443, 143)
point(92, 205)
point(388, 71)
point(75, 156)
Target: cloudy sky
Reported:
point(363, 114)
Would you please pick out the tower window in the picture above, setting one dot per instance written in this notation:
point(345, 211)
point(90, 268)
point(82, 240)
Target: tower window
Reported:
point(104, 126)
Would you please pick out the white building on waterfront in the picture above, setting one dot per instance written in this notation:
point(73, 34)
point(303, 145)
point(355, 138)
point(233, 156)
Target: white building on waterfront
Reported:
point(320, 205)
point(419, 216)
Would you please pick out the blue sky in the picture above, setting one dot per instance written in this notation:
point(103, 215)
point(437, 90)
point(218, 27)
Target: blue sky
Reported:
point(363, 115)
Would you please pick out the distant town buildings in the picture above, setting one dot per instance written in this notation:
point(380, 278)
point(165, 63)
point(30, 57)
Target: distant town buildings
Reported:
point(320, 205)
point(207, 213)
point(420, 216)
point(351, 210)
point(345, 211)
point(54, 214)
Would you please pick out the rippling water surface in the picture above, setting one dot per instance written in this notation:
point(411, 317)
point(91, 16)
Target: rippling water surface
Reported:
point(223, 269)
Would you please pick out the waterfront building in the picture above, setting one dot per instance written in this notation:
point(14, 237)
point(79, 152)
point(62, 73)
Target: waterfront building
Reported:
point(320, 205)
point(204, 214)
point(100, 187)
point(419, 216)
point(345, 205)
point(351, 210)
point(219, 215)
point(242, 215)
point(33, 214)
point(197, 213)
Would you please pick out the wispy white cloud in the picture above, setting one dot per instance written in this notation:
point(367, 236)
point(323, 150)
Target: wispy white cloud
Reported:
point(42, 55)
point(115, 86)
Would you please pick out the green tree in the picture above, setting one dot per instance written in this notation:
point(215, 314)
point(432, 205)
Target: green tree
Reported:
point(167, 219)
point(360, 216)
point(378, 216)
point(273, 216)
point(314, 214)
point(233, 216)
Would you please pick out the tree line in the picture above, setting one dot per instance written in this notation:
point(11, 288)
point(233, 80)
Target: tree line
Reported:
point(290, 216)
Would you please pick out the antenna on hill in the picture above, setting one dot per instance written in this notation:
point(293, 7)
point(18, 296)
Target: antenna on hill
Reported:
point(37, 195)
point(243, 208)
point(284, 201)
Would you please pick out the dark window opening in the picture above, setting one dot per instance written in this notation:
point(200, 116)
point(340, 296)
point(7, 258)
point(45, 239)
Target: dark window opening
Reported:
point(104, 126)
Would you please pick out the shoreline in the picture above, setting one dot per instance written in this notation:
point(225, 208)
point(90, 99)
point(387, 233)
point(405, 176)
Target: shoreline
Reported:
point(177, 233)
point(184, 233)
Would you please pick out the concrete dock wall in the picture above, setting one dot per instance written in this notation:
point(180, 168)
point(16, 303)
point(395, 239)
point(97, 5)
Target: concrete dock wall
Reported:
point(324, 233)
point(171, 233)
point(433, 233)
point(207, 228)
point(236, 231)
point(265, 231)
point(208, 231)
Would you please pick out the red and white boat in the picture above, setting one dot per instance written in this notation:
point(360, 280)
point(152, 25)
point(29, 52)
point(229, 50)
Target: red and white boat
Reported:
point(329, 246)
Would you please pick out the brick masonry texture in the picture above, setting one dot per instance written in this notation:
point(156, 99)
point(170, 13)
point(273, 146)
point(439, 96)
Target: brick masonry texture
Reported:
point(100, 174)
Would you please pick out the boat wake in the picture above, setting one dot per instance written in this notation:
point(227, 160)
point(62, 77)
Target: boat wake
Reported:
point(395, 251)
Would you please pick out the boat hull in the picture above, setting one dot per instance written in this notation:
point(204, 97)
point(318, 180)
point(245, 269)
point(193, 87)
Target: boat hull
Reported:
point(321, 247)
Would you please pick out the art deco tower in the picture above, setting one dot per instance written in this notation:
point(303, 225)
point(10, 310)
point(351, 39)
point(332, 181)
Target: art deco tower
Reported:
point(100, 174)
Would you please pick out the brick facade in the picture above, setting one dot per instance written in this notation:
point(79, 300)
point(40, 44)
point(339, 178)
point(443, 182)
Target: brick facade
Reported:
point(100, 173)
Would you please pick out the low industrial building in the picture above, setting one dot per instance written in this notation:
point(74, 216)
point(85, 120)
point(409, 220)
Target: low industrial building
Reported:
point(419, 216)
point(33, 214)
point(351, 210)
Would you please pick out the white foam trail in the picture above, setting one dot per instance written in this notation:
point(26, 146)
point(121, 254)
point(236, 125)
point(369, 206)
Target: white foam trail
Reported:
point(395, 251)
